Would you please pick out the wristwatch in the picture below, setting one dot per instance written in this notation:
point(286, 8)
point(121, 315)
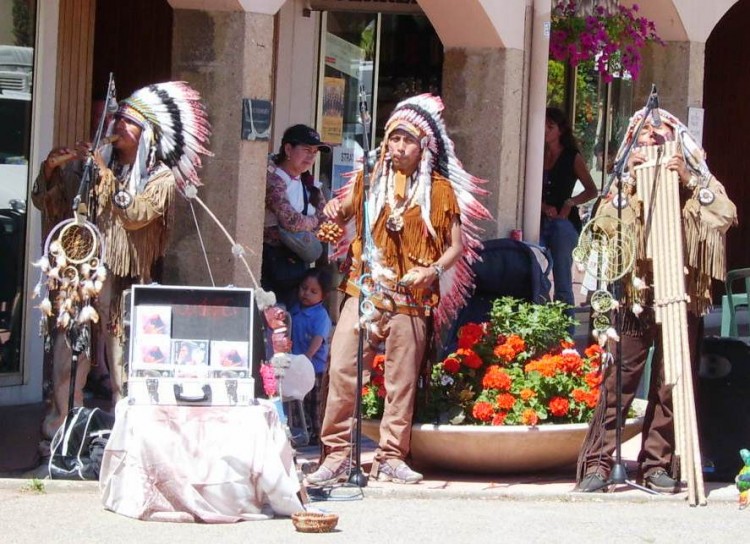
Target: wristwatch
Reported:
point(439, 269)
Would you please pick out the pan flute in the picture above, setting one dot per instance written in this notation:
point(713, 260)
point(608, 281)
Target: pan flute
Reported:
point(659, 189)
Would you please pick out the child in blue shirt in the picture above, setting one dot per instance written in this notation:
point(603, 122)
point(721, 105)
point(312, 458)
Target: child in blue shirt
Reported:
point(311, 329)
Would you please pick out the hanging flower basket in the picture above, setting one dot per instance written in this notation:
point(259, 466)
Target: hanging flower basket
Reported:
point(612, 39)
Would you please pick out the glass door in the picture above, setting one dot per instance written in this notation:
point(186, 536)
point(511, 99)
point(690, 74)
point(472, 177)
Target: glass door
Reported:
point(347, 74)
point(17, 37)
point(391, 56)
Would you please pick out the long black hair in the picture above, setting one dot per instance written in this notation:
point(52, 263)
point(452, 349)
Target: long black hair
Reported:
point(567, 139)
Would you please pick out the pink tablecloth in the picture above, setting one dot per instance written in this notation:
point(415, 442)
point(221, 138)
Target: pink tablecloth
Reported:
point(191, 463)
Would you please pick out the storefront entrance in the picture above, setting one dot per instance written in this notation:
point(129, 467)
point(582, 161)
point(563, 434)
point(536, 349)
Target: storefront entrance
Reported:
point(381, 58)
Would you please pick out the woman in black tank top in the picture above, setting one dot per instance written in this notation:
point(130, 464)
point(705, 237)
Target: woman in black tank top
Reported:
point(563, 166)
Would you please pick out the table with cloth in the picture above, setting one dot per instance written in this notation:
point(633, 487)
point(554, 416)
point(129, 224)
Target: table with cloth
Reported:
point(211, 464)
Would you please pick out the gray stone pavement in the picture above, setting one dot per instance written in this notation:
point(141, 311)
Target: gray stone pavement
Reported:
point(429, 512)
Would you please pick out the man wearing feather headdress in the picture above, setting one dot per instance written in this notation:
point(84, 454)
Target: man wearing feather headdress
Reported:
point(410, 259)
point(155, 138)
point(706, 215)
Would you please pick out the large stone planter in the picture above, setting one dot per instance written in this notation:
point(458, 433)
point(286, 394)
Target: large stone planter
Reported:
point(497, 450)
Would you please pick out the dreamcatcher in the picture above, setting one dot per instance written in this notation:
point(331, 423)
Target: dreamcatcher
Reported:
point(605, 251)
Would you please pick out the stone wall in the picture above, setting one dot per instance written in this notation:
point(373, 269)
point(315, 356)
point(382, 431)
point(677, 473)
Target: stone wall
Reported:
point(227, 56)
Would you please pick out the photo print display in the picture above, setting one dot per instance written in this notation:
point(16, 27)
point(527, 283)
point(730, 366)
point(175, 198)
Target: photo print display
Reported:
point(151, 356)
point(153, 320)
point(190, 358)
point(229, 359)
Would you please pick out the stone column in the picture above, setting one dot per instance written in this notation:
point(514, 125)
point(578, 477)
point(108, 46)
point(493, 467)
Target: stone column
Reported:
point(227, 56)
point(677, 69)
point(483, 94)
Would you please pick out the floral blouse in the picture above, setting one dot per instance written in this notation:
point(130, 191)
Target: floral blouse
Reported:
point(281, 213)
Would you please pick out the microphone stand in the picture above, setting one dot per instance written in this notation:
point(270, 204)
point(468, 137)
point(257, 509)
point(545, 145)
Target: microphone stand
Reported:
point(79, 335)
point(618, 474)
point(356, 476)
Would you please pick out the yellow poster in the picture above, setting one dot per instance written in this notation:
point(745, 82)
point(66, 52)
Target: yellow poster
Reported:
point(333, 110)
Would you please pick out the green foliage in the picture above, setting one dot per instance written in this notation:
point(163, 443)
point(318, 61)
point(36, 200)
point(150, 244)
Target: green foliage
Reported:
point(540, 325)
point(34, 486)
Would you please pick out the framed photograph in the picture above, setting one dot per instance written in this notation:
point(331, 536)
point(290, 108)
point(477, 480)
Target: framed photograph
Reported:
point(153, 320)
point(229, 355)
point(151, 353)
point(189, 352)
point(190, 358)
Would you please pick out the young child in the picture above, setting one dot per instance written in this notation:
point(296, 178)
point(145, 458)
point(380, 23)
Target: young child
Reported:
point(311, 328)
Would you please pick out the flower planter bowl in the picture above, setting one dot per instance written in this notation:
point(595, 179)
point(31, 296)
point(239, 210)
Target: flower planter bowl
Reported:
point(497, 449)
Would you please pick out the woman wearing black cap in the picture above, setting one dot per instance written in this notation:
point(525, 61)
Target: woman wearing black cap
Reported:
point(294, 204)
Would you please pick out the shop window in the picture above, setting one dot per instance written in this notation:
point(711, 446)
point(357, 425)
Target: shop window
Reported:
point(599, 112)
point(389, 57)
point(17, 31)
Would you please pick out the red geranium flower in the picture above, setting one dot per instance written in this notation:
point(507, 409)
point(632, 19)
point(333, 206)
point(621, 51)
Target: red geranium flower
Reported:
point(451, 365)
point(470, 358)
point(499, 418)
point(483, 411)
point(469, 335)
point(559, 406)
point(496, 378)
point(505, 401)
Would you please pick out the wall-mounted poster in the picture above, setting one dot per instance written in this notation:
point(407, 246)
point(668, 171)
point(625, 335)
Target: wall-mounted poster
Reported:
point(256, 119)
point(333, 110)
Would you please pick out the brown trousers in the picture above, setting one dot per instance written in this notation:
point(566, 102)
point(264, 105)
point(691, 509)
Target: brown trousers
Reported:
point(405, 342)
point(658, 441)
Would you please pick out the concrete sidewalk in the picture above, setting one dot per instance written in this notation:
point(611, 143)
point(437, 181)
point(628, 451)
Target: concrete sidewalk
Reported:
point(556, 486)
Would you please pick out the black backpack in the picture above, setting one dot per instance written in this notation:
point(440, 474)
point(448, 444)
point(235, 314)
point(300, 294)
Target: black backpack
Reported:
point(78, 445)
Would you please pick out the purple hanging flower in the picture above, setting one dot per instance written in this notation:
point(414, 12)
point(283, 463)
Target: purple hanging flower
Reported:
point(613, 40)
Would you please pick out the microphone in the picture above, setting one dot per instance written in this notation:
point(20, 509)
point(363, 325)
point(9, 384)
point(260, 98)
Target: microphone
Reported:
point(654, 105)
point(112, 106)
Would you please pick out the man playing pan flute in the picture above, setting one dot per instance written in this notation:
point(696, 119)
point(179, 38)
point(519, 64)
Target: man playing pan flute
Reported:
point(706, 215)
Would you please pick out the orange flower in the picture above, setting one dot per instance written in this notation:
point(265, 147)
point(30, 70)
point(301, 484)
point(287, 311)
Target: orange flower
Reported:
point(365, 391)
point(496, 378)
point(516, 342)
point(566, 344)
point(378, 363)
point(499, 418)
point(505, 352)
point(469, 335)
point(527, 394)
point(529, 417)
point(579, 395)
point(451, 365)
point(593, 379)
point(483, 411)
point(558, 406)
point(571, 363)
point(470, 358)
point(505, 401)
point(594, 350)
point(546, 366)
point(592, 398)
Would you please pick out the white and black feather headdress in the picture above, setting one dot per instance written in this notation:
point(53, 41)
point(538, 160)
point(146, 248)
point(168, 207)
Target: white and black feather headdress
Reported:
point(175, 131)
